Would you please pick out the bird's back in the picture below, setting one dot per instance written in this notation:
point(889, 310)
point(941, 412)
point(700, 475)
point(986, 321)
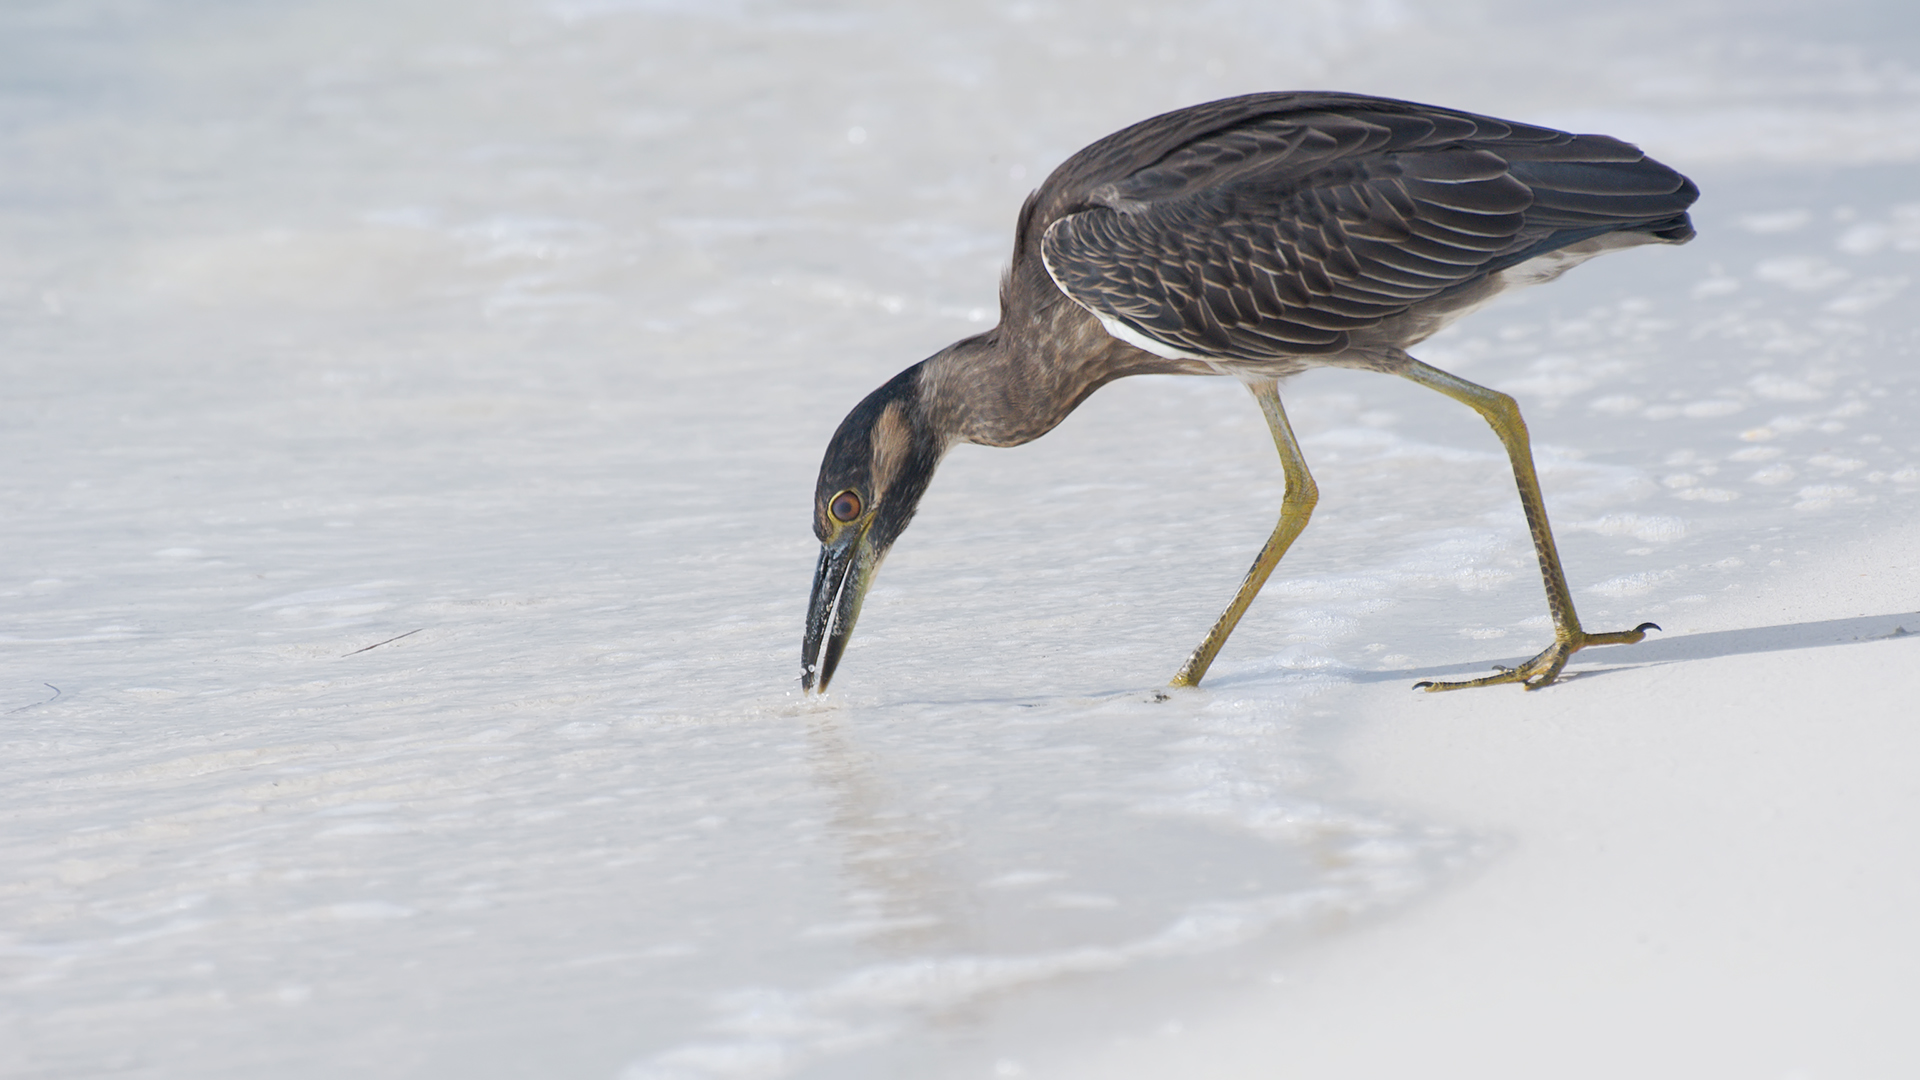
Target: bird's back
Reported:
point(1290, 225)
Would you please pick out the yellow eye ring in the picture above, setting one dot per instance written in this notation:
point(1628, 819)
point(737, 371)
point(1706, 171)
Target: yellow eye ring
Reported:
point(845, 506)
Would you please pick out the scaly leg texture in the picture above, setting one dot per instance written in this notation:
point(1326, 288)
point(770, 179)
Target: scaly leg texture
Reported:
point(1503, 415)
point(1295, 508)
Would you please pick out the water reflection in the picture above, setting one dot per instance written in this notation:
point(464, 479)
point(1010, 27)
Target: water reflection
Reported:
point(901, 895)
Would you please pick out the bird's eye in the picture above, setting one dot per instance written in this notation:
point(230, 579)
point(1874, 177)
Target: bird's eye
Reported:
point(845, 506)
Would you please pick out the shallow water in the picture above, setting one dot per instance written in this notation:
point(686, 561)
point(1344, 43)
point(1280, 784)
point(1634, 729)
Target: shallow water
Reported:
point(413, 410)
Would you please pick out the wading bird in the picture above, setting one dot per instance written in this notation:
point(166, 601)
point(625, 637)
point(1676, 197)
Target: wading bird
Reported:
point(1255, 237)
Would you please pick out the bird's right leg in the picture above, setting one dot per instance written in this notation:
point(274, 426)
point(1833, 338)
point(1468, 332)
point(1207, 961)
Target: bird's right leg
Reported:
point(1502, 413)
point(1295, 508)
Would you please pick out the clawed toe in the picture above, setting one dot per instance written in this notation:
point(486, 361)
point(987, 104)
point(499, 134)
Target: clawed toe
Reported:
point(1543, 669)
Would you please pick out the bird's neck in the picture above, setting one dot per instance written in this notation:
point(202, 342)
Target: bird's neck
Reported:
point(1014, 383)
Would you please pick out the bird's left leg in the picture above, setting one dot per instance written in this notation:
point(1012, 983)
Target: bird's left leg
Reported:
point(1502, 413)
point(1296, 506)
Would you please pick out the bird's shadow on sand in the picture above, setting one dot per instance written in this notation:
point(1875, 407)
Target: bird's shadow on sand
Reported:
point(1667, 650)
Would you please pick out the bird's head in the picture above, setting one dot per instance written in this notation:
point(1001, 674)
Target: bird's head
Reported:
point(875, 471)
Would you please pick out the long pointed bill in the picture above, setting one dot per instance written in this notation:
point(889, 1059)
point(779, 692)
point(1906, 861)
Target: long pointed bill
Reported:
point(839, 584)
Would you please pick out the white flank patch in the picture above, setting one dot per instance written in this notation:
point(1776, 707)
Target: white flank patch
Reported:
point(1119, 329)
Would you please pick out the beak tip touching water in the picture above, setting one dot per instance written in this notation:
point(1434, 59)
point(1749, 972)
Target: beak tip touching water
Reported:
point(812, 679)
point(839, 585)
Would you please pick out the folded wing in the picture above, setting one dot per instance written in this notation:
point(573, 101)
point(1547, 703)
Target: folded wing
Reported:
point(1278, 233)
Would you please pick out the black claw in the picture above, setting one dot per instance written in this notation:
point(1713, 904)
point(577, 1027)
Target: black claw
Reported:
point(1423, 684)
point(1646, 626)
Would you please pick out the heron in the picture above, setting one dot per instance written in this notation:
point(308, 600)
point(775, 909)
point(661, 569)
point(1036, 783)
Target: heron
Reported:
point(1253, 237)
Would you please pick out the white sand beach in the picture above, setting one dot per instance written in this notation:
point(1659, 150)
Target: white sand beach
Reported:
point(410, 425)
point(1700, 871)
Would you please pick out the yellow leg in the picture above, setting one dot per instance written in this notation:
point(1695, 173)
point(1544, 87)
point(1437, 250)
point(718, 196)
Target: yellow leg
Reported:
point(1503, 415)
point(1295, 508)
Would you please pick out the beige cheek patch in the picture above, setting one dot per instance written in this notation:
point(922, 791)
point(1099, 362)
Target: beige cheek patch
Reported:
point(892, 439)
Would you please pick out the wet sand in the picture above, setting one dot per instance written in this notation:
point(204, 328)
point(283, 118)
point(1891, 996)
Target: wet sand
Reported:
point(1701, 864)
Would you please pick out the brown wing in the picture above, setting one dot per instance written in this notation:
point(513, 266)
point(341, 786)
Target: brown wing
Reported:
point(1276, 228)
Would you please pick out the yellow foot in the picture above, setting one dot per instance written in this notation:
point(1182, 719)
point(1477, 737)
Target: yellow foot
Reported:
point(1545, 668)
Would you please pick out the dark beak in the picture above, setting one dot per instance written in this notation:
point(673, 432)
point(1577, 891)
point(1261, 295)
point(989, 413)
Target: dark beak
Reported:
point(839, 584)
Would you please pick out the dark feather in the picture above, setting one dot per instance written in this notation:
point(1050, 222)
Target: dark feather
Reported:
point(1276, 225)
